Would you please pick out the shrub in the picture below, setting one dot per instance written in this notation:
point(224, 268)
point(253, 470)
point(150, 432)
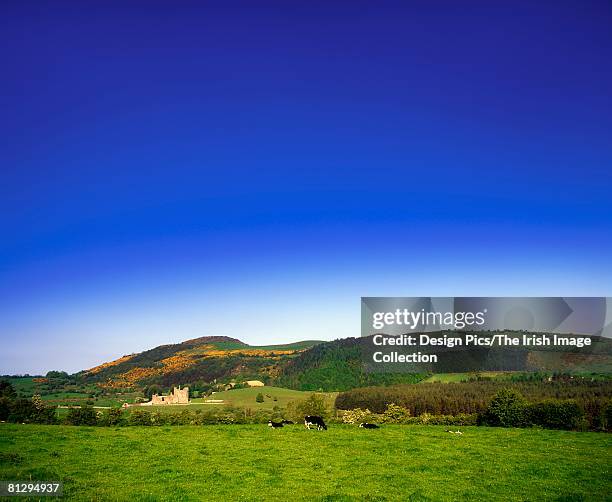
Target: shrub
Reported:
point(313, 405)
point(277, 413)
point(112, 417)
point(5, 408)
point(598, 413)
point(42, 414)
point(207, 418)
point(140, 417)
point(38, 402)
point(159, 418)
point(21, 411)
point(85, 415)
point(226, 418)
point(259, 398)
point(395, 414)
point(460, 419)
point(27, 411)
point(506, 409)
point(358, 416)
point(182, 418)
point(45, 415)
point(262, 417)
point(425, 418)
point(7, 390)
point(554, 414)
point(607, 417)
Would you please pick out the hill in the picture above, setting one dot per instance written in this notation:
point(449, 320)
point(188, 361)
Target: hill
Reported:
point(317, 366)
point(336, 366)
point(306, 365)
point(202, 359)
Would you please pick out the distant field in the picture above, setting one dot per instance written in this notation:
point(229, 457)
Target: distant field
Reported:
point(25, 385)
point(305, 344)
point(59, 396)
point(344, 463)
point(245, 398)
point(236, 345)
point(500, 375)
point(464, 377)
point(239, 398)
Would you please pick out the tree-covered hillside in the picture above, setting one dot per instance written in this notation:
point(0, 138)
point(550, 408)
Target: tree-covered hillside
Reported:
point(336, 366)
point(202, 359)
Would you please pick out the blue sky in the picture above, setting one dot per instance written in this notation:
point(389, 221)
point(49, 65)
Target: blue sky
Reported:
point(215, 168)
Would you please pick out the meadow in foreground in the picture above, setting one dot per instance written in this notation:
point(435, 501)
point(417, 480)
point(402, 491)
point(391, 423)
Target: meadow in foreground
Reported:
point(254, 462)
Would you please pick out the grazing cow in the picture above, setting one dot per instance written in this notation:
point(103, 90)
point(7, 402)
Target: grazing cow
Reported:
point(275, 425)
point(314, 421)
point(288, 422)
point(365, 425)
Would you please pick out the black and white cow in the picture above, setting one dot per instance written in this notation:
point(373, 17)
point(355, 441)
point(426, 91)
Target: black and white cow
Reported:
point(366, 425)
point(275, 425)
point(313, 420)
point(287, 422)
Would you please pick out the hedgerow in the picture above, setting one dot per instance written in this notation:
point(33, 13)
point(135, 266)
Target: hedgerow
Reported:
point(592, 397)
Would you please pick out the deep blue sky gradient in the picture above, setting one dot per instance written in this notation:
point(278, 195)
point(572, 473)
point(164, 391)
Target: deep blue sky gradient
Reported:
point(184, 169)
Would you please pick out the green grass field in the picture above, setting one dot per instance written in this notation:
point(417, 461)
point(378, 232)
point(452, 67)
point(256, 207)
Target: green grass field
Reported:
point(464, 377)
point(25, 385)
point(344, 463)
point(239, 398)
point(245, 398)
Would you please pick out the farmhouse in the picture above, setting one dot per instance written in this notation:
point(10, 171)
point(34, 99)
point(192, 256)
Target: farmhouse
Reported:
point(254, 383)
point(178, 396)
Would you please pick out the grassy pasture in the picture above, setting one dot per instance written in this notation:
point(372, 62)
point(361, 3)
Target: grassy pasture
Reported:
point(239, 398)
point(66, 396)
point(245, 398)
point(344, 463)
point(22, 385)
point(464, 377)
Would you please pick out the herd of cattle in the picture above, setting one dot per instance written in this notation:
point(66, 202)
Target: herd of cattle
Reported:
point(318, 423)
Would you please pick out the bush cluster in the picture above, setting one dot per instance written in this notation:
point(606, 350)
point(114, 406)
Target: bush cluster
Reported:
point(591, 396)
point(553, 414)
point(507, 409)
point(395, 414)
point(510, 409)
point(312, 405)
point(460, 419)
point(86, 415)
point(20, 410)
point(358, 416)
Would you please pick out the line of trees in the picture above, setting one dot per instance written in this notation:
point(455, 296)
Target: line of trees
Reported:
point(592, 397)
point(315, 404)
point(509, 408)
